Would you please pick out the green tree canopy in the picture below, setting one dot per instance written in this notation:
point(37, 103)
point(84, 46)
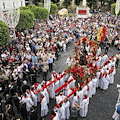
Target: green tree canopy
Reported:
point(113, 9)
point(37, 1)
point(4, 33)
point(39, 12)
point(53, 8)
point(26, 19)
point(67, 3)
point(55, 1)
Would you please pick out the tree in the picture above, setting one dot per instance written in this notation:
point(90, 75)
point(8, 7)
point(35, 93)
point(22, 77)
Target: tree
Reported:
point(39, 12)
point(113, 9)
point(55, 1)
point(26, 19)
point(77, 2)
point(67, 3)
point(4, 33)
point(53, 8)
point(37, 1)
point(92, 3)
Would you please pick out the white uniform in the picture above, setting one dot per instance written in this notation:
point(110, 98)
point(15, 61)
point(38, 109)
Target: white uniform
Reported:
point(67, 110)
point(94, 85)
point(52, 91)
point(80, 94)
point(44, 107)
point(90, 92)
point(29, 102)
point(84, 107)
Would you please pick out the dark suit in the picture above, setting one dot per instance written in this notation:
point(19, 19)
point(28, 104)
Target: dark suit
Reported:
point(25, 87)
point(9, 101)
point(16, 101)
point(23, 111)
point(34, 115)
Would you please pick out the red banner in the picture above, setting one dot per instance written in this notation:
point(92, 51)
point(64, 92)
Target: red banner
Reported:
point(83, 12)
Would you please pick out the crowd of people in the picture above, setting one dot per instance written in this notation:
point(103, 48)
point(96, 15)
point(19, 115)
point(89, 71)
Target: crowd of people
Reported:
point(34, 52)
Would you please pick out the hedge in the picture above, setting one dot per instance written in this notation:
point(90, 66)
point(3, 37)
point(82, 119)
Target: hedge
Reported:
point(4, 33)
point(39, 12)
point(53, 8)
point(113, 9)
point(26, 19)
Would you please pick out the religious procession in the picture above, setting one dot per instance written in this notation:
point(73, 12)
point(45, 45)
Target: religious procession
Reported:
point(63, 68)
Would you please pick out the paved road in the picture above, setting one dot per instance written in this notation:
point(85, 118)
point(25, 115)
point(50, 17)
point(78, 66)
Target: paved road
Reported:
point(102, 104)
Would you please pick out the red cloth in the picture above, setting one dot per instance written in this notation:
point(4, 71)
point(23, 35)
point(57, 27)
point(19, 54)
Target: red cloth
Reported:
point(41, 99)
point(65, 84)
point(53, 116)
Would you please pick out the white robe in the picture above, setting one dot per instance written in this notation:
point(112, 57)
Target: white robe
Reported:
point(29, 103)
point(104, 59)
point(99, 61)
point(80, 94)
point(105, 82)
point(56, 117)
point(84, 89)
point(52, 91)
point(84, 107)
point(67, 110)
point(75, 100)
point(62, 113)
point(71, 97)
point(46, 94)
point(44, 107)
point(59, 98)
point(94, 85)
point(65, 90)
point(111, 78)
point(34, 98)
point(90, 92)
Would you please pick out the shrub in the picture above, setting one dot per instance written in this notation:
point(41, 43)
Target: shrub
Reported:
point(4, 33)
point(26, 19)
point(39, 12)
point(53, 8)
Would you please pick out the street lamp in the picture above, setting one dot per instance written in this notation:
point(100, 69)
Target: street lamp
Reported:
point(10, 13)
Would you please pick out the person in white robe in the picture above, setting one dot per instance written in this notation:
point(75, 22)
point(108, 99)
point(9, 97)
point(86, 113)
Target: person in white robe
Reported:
point(60, 97)
point(94, 80)
point(111, 74)
point(71, 97)
point(90, 84)
point(28, 101)
point(80, 96)
point(104, 59)
point(85, 89)
point(52, 90)
point(65, 89)
point(97, 75)
point(54, 116)
point(99, 51)
point(84, 106)
point(66, 105)
point(98, 58)
point(105, 81)
point(61, 112)
point(44, 107)
point(69, 61)
point(45, 92)
point(75, 99)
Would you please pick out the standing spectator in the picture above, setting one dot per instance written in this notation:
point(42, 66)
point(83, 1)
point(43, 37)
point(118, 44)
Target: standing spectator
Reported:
point(33, 114)
point(44, 70)
point(50, 61)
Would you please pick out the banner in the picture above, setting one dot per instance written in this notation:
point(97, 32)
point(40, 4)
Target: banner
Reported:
point(99, 34)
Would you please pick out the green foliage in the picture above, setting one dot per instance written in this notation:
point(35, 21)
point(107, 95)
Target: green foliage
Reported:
point(113, 9)
point(24, 8)
point(53, 8)
point(92, 3)
point(55, 1)
point(37, 1)
point(26, 19)
point(39, 12)
point(67, 3)
point(4, 33)
point(77, 2)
